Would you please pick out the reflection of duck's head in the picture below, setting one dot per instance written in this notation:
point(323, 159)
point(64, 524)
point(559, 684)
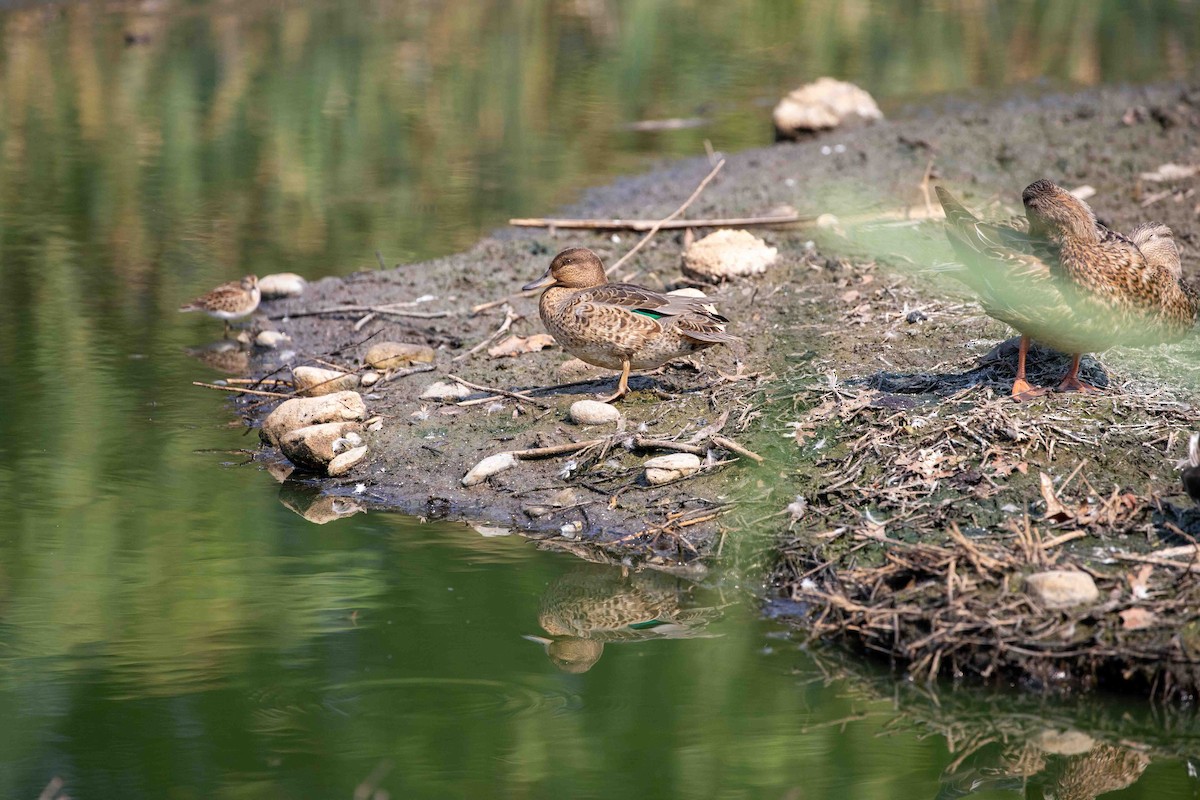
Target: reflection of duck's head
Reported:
point(574, 655)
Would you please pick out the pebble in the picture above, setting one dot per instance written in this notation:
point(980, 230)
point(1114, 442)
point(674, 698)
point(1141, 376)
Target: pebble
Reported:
point(344, 462)
point(593, 412)
point(727, 254)
point(445, 390)
point(301, 411)
point(1062, 588)
point(370, 378)
point(488, 467)
point(315, 381)
point(821, 105)
point(271, 339)
point(664, 469)
point(390, 355)
point(281, 284)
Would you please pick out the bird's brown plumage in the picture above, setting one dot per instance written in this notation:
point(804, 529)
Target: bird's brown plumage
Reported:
point(1063, 279)
point(619, 325)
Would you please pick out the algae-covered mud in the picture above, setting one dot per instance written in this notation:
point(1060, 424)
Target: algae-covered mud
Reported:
point(898, 481)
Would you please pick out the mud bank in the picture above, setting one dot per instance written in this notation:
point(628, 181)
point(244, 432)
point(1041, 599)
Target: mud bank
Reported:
point(875, 394)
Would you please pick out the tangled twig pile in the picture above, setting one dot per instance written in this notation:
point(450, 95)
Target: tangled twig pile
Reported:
point(933, 519)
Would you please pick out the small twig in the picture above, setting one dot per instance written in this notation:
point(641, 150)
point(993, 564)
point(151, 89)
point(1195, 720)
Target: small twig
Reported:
point(638, 225)
point(510, 317)
point(382, 263)
point(389, 310)
point(658, 225)
point(556, 450)
point(505, 392)
point(646, 443)
point(241, 390)
point(404, 373)
point(734, 447)
point(1066, 537)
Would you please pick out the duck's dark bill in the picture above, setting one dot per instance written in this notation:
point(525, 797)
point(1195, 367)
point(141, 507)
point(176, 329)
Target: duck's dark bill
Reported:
point(541, 283)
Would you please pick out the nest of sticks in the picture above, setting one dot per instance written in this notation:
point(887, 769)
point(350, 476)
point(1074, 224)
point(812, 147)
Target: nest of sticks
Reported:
point(931, 514)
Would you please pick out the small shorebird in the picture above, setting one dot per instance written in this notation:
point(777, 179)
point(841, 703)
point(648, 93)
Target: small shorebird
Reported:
point(228, 301)
point(1060, 277)
point(619, 325)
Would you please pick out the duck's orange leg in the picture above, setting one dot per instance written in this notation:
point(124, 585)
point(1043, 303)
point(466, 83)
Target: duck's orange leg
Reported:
point(1071, 382)
point(1021, 388)
point(622, 385)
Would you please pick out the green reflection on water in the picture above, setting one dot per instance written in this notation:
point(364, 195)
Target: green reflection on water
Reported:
point(168, 627)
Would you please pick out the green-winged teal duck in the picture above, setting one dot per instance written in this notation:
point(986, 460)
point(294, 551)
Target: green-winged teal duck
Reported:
point(618, 325)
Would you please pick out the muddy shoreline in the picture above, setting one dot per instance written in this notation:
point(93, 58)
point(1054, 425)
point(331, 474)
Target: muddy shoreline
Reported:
point(850, 342)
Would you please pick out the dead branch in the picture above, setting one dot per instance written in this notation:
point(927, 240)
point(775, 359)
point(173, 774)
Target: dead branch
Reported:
point(639, 225)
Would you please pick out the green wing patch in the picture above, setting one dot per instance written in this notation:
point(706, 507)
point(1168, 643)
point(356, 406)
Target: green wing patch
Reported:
point(650, 314)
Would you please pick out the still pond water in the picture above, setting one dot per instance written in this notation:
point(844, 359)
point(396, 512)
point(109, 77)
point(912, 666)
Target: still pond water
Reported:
point(172, 627)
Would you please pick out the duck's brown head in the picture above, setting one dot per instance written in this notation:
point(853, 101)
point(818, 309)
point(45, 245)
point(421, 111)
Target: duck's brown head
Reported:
point(1157, 243)
point(573, 268)
point(1056, 213)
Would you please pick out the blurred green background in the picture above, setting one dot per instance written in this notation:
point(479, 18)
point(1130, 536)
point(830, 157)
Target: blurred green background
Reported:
point(168, 627)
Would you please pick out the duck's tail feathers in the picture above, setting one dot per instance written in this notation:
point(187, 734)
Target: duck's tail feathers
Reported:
point(956, 213)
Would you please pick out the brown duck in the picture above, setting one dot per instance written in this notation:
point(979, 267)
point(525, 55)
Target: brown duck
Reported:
point(1060, 277)
point(619, 325)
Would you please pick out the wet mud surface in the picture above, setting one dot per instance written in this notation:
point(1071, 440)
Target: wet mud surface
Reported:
point(876, 393)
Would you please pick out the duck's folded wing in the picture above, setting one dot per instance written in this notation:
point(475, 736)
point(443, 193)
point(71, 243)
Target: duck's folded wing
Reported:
point(649, 303)
point(691, 316)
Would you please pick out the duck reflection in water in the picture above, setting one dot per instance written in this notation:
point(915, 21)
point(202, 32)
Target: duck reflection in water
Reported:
point(588, 608)
point(1066, 767)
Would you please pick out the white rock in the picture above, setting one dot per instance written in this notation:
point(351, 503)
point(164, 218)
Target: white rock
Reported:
point(369, 378)
point(390, 355)
point(281, 284)
point(344, 462)
point(827, 221)
point(444, 390)
point(826, 103)
point(315, 381)
point(664, 469)
point(727, 254)
point(301, 411)
point(593, 412)
point(271, 339)
point(1061, 588)
point(488, 467)
point(491, 531)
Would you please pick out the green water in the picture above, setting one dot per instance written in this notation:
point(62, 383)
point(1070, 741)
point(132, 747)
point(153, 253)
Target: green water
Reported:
point(171, 627)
